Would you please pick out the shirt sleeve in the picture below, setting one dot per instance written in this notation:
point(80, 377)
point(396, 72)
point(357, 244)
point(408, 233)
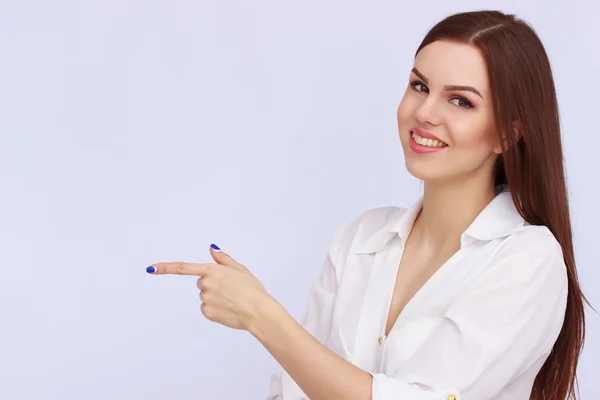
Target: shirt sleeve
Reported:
point(502, 324)
point(317, 320)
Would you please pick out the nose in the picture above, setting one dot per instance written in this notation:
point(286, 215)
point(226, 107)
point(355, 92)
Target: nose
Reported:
point(427, 112)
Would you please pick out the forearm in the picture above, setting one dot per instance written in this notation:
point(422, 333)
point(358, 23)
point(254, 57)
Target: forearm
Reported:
point(319, 372)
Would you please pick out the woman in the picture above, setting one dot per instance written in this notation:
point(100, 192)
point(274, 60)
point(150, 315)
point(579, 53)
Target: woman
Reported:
point(472, 292)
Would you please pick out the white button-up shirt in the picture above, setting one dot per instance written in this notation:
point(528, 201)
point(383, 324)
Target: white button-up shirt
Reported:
point(480, 328)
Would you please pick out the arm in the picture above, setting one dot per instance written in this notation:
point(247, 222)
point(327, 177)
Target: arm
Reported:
point(316, 323)
point(318, 371)
point(508, 319)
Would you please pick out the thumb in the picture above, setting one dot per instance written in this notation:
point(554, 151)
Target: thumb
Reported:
point(223, 258)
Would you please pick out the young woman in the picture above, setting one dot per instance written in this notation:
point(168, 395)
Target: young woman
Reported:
point(471, 293)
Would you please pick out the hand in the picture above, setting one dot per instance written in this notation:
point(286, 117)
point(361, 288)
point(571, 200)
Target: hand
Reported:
point(230, 294)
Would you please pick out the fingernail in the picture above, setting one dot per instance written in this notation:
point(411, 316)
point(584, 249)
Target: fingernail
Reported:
point(215, 247)
point(151, 270)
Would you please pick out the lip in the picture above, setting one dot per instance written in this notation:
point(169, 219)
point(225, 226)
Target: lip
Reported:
point(420, 149)
point(426, 134)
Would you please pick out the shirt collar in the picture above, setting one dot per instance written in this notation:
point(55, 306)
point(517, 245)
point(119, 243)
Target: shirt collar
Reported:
point(498, 219)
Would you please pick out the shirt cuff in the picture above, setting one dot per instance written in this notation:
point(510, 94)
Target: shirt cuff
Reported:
point(386, 388)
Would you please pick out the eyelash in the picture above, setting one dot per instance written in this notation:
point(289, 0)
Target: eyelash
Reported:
point(469, 104)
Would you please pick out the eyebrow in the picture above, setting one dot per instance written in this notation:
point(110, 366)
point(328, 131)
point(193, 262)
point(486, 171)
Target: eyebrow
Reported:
point(448, 87)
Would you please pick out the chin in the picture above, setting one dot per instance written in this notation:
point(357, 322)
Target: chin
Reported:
point(419, 173)
point(425, 172)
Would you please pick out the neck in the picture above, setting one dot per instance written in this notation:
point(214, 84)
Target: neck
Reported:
point(448, 210)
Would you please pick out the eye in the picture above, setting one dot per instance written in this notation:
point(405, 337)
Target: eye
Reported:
point(419, 86)
point(461, 102)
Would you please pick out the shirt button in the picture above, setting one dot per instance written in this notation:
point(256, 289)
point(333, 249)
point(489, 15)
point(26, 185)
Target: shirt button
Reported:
point(452, 397)
point(380, 340)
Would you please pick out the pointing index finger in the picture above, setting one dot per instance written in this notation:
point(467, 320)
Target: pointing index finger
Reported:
point(179, 268)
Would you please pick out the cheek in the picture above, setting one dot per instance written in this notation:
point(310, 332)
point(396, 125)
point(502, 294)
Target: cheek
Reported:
point(406, 118)
point(406, 108)
point(472, 134)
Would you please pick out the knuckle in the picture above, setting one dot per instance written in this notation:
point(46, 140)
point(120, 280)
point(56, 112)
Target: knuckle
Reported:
point(204, 296)
point(241, 267)
point(206, 283)
point(180, 268)
point(206, 311)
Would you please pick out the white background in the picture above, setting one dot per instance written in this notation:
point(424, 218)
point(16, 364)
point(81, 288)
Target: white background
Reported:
point(136, 132)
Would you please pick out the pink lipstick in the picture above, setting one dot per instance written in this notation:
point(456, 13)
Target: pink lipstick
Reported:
point(423, 142)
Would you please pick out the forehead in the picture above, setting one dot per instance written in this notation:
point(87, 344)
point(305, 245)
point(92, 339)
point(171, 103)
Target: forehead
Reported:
point(450, 63)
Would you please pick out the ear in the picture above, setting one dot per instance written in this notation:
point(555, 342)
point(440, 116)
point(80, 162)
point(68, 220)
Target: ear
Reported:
point(517, 132)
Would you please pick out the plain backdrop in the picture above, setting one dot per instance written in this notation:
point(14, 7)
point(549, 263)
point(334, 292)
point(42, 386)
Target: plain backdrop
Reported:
point(137, 132)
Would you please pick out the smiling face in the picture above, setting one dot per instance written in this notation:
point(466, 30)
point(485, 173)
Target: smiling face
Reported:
point(448, 99)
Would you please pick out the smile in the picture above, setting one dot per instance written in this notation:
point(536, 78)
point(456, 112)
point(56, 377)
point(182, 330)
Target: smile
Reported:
point(427, 142)
point(421, 145)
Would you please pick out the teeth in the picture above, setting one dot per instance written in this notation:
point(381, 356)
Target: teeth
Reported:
point(427, 142)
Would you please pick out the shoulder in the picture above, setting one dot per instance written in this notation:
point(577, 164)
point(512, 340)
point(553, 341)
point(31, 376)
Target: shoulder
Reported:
point(519, 294)
point(532, 254)
point(532, 240)
point(364, 224)
point(374, 219)
point(537, 235)
point(367, 222)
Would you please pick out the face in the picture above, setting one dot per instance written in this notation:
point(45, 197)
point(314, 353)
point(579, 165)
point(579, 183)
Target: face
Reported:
point(445, 119)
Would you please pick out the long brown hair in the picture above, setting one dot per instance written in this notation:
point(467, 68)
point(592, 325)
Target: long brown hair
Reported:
point(527, 120)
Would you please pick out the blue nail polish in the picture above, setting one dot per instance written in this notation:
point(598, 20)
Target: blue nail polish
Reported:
point(150, 270)
point(215, 247)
